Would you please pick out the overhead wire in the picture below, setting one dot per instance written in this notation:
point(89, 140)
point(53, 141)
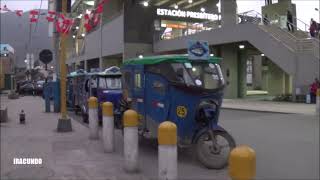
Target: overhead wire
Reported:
point(35, 29)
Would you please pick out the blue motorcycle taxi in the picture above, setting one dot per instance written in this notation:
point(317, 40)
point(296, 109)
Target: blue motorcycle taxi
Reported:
point(186, 92)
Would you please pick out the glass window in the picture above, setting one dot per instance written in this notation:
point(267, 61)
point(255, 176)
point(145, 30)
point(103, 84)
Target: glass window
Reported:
point(137, 80)
point(109, 83)
point(159, 87)
point(200, 74)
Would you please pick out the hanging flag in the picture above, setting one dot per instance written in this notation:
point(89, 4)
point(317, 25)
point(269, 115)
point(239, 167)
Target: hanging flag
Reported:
point(34, 14)
point(51, 16)
point(63, 24)
point(99, 8)
point(87, 24)
point(19, 12)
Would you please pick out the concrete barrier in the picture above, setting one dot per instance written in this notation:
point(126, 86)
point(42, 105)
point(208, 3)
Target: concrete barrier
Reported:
point(108, 127)
point(93, 118)
point(167, 151)
point(318, 102)
point(131, 148)
point(242, 163)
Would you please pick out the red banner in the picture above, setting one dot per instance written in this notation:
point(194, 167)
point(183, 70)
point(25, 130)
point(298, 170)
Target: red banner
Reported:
point(63, 24)
point(19, 13)
point(51, 16)
point(33, 15)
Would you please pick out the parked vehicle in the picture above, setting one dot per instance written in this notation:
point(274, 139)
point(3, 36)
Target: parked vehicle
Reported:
point(27, 87)
point(75, 90)
point(186, 92)
point(39, 87)
point(105, 86)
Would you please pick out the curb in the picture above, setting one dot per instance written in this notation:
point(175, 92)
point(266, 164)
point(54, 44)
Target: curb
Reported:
point(262, 111)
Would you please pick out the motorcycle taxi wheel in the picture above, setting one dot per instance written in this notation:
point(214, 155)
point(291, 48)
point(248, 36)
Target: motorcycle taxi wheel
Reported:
point(214, 156)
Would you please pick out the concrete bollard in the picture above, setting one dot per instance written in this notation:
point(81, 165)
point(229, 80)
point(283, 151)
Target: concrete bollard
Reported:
point(108, 127)
point(22, 117)
point(131, 148)
point(242, 163)
point(167, 151)
point(93, 118)
point(318, 102)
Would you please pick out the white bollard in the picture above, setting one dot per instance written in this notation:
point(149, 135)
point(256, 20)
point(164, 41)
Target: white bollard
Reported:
point(318, 102)
point(131, 148)
point(93, 118)
point(167, 151)
point(108, 127)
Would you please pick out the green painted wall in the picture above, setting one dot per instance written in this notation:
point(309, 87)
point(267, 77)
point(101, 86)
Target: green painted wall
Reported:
point(230, 64)
point(278, 81)
point(242, 73)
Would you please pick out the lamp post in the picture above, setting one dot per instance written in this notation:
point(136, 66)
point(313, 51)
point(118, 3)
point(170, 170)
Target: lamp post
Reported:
point(64, 123)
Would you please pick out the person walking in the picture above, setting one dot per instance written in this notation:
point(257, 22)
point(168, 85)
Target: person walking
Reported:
point(290, 21)
point(313, 90)
point(313, 28)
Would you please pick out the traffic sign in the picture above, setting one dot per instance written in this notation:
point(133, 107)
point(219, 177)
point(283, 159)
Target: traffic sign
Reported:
point(45, 56)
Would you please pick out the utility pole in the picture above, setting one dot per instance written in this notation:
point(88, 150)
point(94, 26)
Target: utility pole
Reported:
point(64, 123)
point(100, 59)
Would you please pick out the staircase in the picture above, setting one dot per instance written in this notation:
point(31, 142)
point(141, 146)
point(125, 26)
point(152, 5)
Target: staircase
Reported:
point(305, 49)
point(298, 41)
point(295, 53)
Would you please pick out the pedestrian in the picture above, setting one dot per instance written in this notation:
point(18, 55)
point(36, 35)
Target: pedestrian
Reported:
point(33, 88)
point(313, 90)
point(313, 28)
point(265, 20)
point(290, 21)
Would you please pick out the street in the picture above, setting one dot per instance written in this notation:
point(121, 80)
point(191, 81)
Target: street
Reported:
point(286, 145)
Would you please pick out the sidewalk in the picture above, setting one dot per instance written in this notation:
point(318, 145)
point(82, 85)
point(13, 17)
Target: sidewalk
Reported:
point(269, 106)
point(72, 155)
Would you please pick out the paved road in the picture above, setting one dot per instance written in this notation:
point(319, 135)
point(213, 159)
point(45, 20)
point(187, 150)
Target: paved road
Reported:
point(287, 147)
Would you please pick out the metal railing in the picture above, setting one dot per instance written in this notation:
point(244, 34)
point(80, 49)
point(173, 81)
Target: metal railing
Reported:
point(294, 41)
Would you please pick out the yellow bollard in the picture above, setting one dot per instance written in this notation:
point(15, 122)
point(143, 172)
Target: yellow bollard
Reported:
point(130, 118)
point(242, 163)
point(167, 151)
point(130, 135)
point(93, 117)
point(107, 127)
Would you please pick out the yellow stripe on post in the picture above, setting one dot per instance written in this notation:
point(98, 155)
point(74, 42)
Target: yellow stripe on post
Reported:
point(93, 102)
point(167, 133)
point(130, 118)
point(242, 163)
point(107, 109)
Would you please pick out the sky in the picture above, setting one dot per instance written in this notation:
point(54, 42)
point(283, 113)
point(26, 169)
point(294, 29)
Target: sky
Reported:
point(305, 8)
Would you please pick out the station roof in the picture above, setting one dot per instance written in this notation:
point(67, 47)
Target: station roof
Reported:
point(165, 58)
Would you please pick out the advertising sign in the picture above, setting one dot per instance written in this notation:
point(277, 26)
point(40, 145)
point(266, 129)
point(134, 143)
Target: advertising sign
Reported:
point(187, 14)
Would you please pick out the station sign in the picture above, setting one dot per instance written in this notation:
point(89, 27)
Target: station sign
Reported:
point(198, 50)
point(186, 14)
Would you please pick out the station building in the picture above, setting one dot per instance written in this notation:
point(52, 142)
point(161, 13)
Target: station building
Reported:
point(258, 56)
